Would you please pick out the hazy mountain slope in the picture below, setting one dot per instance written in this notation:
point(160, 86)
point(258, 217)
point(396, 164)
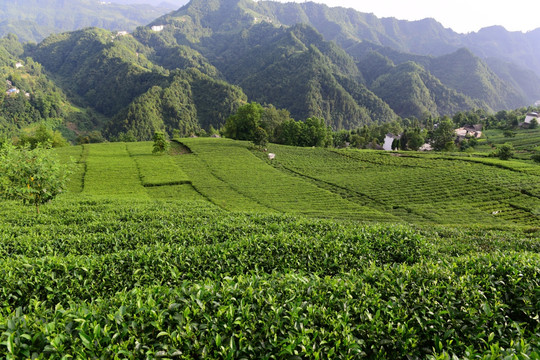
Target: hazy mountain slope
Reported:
point(347, 26)
point(33, 20)
point(516, 47)
point(410, 90)
point(503, 87)
point(469, 75)
point(526, 81)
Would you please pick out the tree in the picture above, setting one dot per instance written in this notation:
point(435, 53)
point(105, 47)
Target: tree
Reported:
point(509, 133)
point(505, 152)
point(533, 124)
point(41, 135)
point(161, 145)
point(242, 125)
point(260, 137)
point(443, 134)
point(416, 140)
point(34, 176)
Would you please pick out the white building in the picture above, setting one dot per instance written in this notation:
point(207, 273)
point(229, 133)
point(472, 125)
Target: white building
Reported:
point(388, 140)
point(158, 28)
point(530, 117)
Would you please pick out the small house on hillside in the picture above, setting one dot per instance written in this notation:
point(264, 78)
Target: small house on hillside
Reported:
point(158, 28)
point(474, 131)
point(13, 91)
point(530, 116)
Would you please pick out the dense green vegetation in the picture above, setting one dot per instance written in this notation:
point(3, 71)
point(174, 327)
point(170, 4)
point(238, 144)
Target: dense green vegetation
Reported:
point(28, 96)
point(142, 258)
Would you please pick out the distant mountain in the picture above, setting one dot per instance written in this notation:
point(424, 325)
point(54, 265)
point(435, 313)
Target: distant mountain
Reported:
point(496, 87)
point(168, 4)
point(33, 20)
point(347, 27)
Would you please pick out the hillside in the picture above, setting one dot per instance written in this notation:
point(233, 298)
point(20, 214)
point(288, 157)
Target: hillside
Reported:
point(297, 70)
point(496, 84)
point(28, 96)
point(113, 75)
point(33, 20)
point(203, 25)
point(218, 252)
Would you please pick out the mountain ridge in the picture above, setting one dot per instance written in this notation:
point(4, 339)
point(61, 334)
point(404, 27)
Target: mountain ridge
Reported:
point(215, 55)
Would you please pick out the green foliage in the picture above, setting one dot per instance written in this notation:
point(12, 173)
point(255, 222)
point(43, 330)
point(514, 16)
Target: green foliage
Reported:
point(421, 187)
point(443, 135)
point(509, 133)
point(243, 124)
point(260, 137)
point(91, 137)
point(33, 176)
point(415, 140)
point(353, 286)
point(161, 145)
point(33, 137)
point(505, 151)
point(535, 158)
point(254, 123)
point(223, 268)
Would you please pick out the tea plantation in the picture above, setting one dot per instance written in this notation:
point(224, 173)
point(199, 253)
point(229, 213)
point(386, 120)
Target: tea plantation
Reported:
point(216, 252)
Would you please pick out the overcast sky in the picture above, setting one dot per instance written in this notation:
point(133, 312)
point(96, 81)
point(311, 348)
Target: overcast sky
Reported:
point(461, 15)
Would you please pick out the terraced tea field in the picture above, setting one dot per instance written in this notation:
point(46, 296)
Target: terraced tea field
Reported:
point(219, 253)
point(423, 189)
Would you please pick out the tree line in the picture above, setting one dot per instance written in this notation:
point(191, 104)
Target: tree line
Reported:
point(262, 124)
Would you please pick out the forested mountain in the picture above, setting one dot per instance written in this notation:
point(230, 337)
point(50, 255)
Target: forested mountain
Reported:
point(411, 90)
point(494, 84)
point(28, 96)
point(190, 69)
point(295, 69)
point(33, 20)
point(112, 75)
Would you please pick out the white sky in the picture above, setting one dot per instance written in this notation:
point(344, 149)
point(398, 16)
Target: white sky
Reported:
point(461, 15)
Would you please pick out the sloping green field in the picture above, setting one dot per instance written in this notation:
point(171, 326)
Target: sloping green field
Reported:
point(219, 253)
point(366, 186)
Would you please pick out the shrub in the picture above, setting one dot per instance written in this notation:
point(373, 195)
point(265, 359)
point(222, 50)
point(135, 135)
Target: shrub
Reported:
point(34, 176)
